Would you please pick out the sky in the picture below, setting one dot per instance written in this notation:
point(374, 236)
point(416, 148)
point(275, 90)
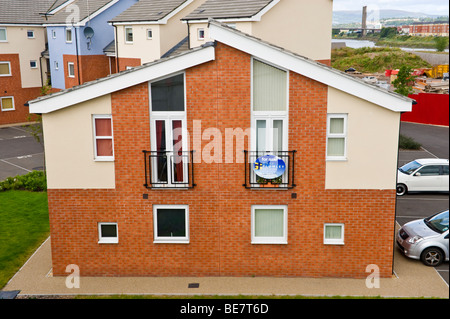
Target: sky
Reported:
point(439, 7)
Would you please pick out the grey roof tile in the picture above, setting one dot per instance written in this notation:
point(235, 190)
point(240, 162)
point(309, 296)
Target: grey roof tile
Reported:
point(221, 9)
point(148, 10)
point(86, 8)
point(26, 11)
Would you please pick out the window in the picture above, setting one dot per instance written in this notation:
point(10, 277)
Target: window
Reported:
point(430, 170)
point(54, 34)
point(269, 225)
point(103, 138)
point(169, 134)
point(7, 103)
point(149, 34)
point(108, 233)
point(5, 68)
point(337, 137)
point(445, 170)
point(201, 34)
point(69, 35)
point(333, 234)
point(71, 69)
point(56, 65)
point(171, 224)
point(30, 34)
point(3, 35)
point(33, 64)
point(128, 34)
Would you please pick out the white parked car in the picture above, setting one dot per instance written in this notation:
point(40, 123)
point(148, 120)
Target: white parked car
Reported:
point(370, 79)
point(423, 175)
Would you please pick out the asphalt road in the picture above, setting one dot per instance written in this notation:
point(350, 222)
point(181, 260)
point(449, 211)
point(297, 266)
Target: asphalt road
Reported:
point(435, 143)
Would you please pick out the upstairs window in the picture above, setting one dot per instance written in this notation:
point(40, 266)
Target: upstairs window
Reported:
point(149, 34)
point(3, 36)
point(69, 35)
point(5, 68)
point(128, 34)
point(337, 137)
point(30, 34)
point(201, 34)
point(103, 138)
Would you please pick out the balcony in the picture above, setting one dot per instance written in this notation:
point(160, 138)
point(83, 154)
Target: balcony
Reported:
point(169, 170)
point(284, 181)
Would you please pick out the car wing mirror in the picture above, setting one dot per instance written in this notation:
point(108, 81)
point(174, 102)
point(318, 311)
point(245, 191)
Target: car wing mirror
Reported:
point(417, 174)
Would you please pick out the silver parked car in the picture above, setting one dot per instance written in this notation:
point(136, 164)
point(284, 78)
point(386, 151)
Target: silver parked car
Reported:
point(426, 239)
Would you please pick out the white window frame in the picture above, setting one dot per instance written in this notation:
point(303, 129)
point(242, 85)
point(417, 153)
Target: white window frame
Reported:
point(168, 118)
point(108, 240)
point(151, 31)
point(343, 135)
point(32, 37)
point(170, 240)
point(35, 64)
point(68, 69)
point(9, 66)
point(71, 35)
point(199, 36)
point(53, 34)
point(56, 65)
point(125, 33)
point(6, 35)
point(1, 103)
point(270, 240)
point(331, 241)
point(102, 158)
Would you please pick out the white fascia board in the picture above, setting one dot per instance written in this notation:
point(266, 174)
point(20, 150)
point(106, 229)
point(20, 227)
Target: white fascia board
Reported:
point(105, 86)
point(259, 15)
point(101, 10)
point(63, 5)
point(310, 69)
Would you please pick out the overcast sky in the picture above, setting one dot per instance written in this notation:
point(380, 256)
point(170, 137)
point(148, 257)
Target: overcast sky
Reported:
point(439, 7)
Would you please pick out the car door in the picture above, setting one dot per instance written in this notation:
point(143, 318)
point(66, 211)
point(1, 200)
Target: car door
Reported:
point(427, 178)
point(445, 179)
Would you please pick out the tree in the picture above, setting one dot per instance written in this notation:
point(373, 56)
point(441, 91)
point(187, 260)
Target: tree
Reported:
point(441, 43)
point(389, 32)
point(404, 80)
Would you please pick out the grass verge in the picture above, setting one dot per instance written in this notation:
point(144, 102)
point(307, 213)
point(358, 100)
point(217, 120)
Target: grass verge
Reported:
point(24, 226)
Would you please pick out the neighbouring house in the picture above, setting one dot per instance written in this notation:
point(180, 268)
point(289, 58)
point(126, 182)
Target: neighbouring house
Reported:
point(148, 30)
point(301, 26)
point(235, 158)
point(77, 37)
point(23, 70)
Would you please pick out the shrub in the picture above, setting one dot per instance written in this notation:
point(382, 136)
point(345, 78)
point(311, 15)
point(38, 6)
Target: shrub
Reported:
point(407, 143)
point(34, 181)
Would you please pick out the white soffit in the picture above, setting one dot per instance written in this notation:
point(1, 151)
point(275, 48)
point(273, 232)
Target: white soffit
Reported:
point(308, 68)
point(145, 73)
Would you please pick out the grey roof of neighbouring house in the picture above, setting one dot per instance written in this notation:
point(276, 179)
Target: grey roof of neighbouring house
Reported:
point(85, 7)
point(221, 9)
point(110, 48)
point(148, 10)
point(26, 11)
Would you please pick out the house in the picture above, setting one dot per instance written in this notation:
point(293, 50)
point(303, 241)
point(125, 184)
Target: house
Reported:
point(301, 26)
point(148, 30)
point(437, 28)
point(23, 70)
point(77, 36)
point(235, 158)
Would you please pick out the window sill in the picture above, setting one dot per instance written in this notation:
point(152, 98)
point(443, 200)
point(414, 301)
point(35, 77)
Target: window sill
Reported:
point(8, 110)
point(171, 242)
point(103, 242)
point(269, 243)
point(334, 244)
point(343, 159)
point(104, 159)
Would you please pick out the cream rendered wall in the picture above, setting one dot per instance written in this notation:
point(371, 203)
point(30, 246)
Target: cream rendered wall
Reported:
point(141, 48)
point(372, 145)
point(69, 147)
point(245, 27)
point(301, 26)
point(28, 50)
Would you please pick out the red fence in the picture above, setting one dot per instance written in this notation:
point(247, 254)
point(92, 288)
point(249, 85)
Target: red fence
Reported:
point(431, 108)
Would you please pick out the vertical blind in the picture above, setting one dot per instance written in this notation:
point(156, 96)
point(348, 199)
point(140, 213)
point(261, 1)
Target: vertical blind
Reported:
point(333, 232)
point(269, 222)
point(269, 88)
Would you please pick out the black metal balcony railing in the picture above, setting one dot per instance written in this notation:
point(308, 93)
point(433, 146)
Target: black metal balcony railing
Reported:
point(285, 181)
point(169, 169)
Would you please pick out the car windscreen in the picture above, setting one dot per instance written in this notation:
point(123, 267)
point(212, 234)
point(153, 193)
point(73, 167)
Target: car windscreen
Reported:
point(410, 167)
point(438, 222)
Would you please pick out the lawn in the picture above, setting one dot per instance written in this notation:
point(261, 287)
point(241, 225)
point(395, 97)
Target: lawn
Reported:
point(24, 226)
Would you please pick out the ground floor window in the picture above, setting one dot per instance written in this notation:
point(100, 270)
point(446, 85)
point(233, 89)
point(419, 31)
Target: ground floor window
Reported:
point(108, 233)
point(333, 234)
point(171, 224)
point(7, 103)
point(269, 224)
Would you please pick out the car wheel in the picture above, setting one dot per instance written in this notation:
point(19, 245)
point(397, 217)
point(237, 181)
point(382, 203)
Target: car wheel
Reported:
point(401, 189)
point(432, 257)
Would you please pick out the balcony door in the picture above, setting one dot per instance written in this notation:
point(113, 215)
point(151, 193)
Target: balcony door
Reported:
point(169, 142)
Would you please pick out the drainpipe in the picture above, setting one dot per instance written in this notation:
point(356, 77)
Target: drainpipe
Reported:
point(78, 59)
point(117, 49)
point(189, 34)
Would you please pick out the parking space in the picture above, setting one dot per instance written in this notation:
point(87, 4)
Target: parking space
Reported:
point(20, 153)
point(435, 142)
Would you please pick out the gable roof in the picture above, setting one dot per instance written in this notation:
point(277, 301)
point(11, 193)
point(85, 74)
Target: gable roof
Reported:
point(26, 11)
point(241, 41)
point(231, 9)
point(151, 10)
point(87, 9)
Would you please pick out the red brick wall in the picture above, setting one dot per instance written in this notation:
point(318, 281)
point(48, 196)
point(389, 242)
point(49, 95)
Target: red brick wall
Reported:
point(218, 94)
point(12, 86)
point(126, 62)
point(92, 67)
